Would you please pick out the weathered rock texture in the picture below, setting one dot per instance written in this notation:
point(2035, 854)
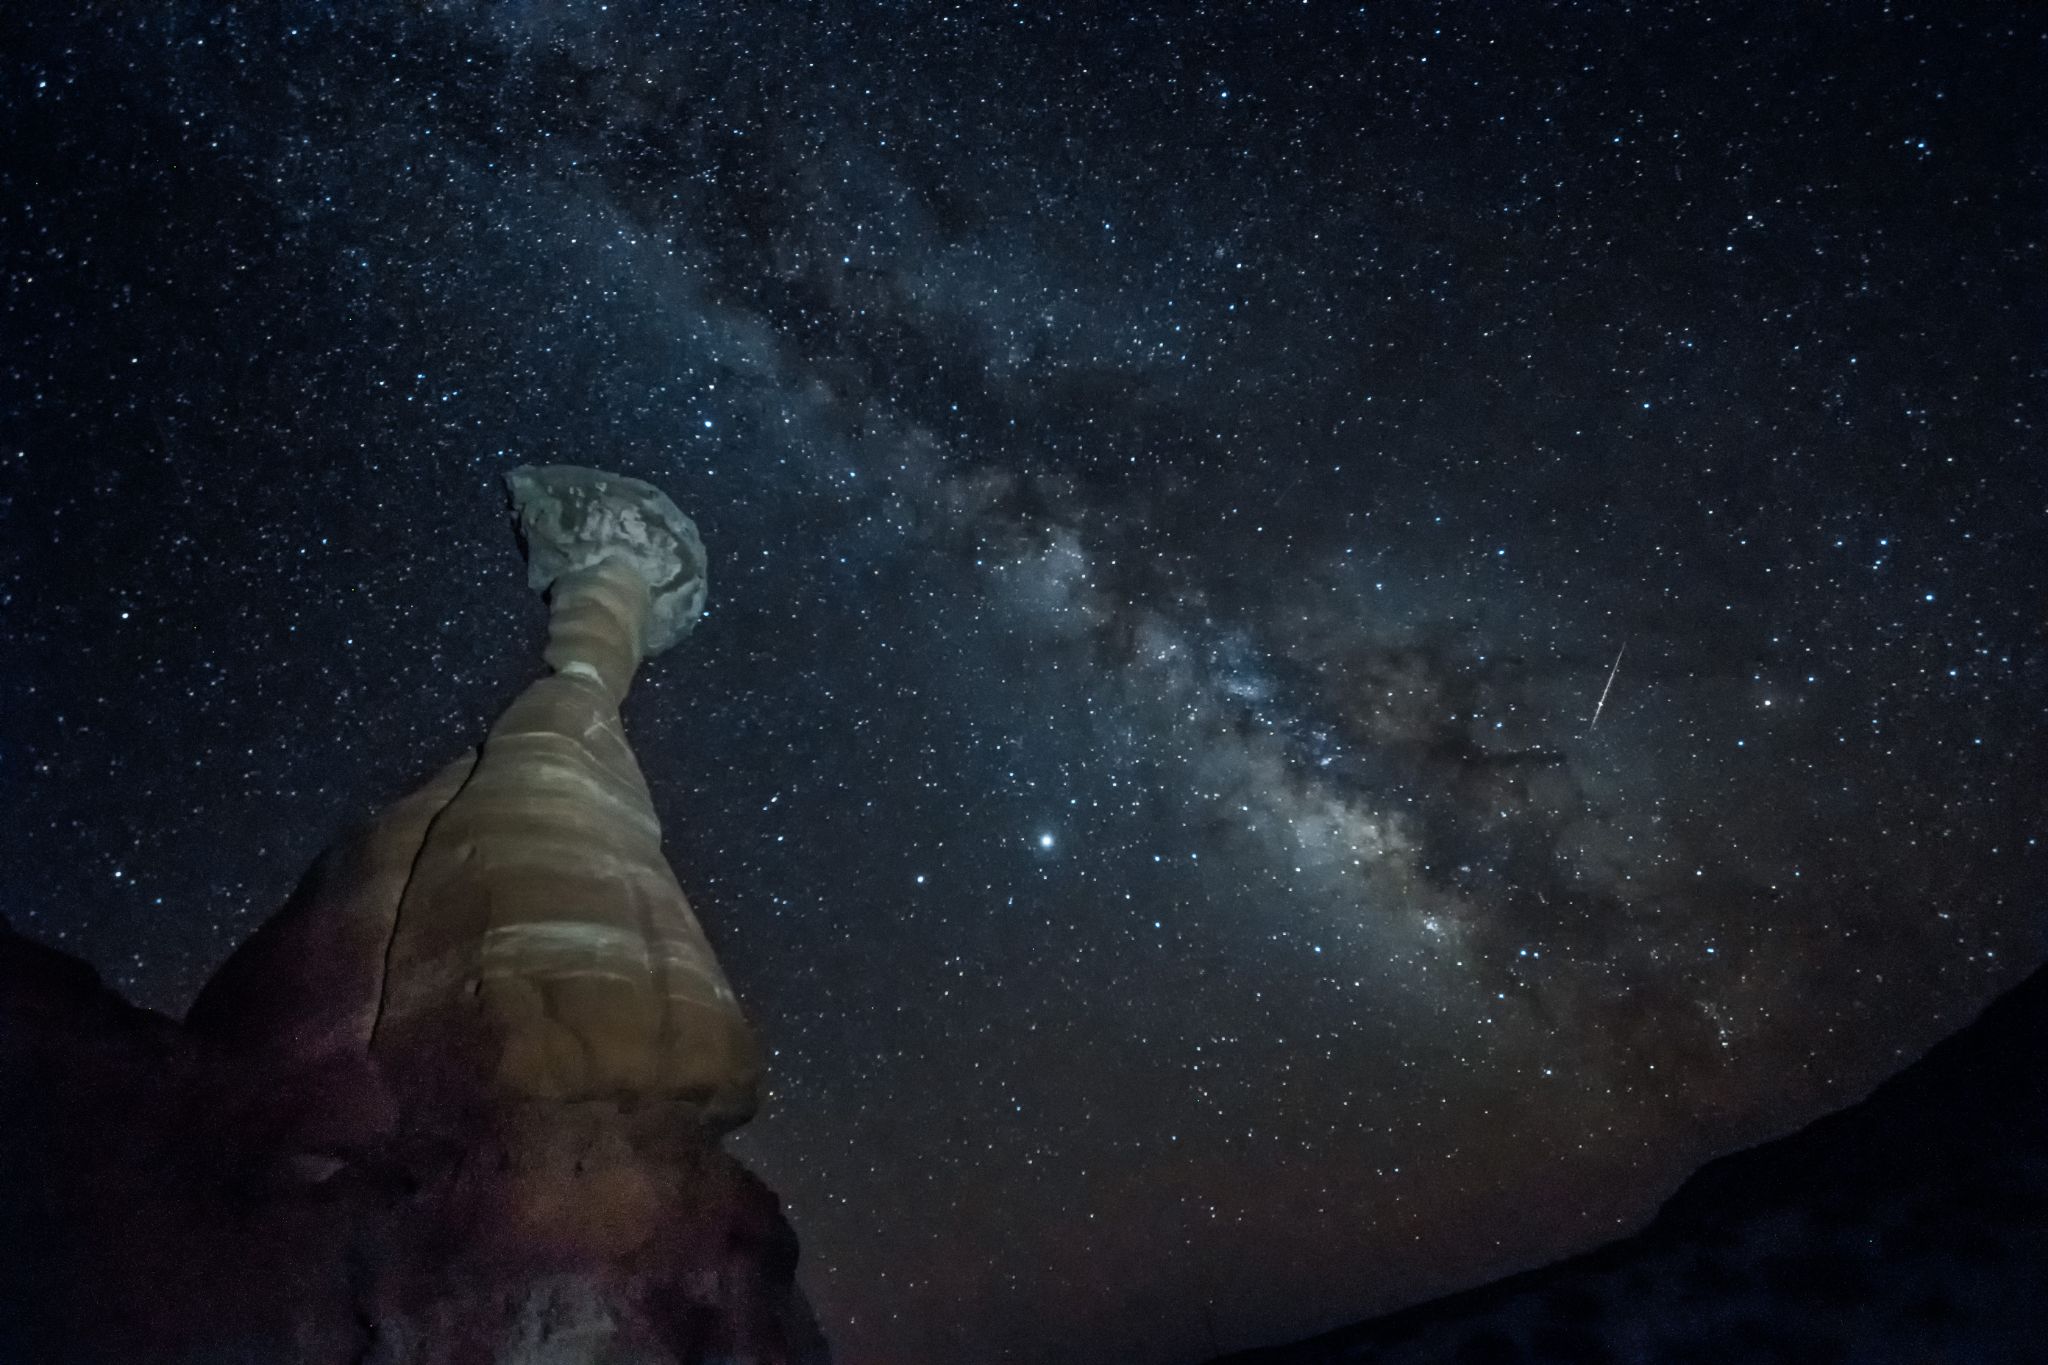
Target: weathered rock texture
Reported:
point(573, 518)
point(461, 1099)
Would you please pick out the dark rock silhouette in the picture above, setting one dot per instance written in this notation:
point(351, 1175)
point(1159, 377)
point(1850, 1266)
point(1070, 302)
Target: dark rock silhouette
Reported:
point(1910, 1227)
point(461, 1099)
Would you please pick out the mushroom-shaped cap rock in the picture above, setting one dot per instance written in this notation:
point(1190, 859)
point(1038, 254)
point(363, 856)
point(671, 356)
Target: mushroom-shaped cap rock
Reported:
point(573, 518)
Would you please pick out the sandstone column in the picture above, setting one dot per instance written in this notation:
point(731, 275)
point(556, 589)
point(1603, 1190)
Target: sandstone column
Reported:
point(542, 947)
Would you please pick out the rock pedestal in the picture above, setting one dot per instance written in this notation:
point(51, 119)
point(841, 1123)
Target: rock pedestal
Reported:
point(542, 949)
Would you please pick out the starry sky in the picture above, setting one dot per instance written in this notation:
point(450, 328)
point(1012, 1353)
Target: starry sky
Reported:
point(1181, 485)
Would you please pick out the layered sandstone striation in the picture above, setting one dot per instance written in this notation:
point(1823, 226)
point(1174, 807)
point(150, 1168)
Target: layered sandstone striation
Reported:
point(540, 931)
point(461, 1098)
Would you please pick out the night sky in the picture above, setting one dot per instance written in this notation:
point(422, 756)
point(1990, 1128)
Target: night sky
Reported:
point(1177, 484)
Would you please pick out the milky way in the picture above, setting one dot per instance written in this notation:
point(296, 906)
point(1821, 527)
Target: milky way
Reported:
point(1177, 488)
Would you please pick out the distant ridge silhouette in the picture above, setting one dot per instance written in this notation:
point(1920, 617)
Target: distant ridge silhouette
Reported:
point(1909, 1227)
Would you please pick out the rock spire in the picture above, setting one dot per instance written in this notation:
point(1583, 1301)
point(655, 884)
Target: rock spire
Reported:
point(462, 1097)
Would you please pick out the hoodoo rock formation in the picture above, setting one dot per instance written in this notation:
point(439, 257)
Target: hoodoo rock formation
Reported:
point(462, 1098)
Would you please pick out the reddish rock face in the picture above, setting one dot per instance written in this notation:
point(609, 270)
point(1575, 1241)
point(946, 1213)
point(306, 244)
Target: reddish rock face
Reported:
point(460, 1100)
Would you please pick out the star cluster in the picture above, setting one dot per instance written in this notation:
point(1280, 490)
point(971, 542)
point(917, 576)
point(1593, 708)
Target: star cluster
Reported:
point(1179, 484)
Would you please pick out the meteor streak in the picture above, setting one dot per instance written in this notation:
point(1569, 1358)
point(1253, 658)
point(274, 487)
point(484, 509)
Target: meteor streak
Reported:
point(1598, 705)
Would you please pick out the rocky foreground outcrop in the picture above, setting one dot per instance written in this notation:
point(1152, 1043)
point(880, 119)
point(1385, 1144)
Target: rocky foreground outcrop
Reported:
point(164, 1203)
point(1909, 1228)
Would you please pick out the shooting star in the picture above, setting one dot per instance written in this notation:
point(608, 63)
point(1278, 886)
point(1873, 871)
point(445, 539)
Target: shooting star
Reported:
point(1599, 705)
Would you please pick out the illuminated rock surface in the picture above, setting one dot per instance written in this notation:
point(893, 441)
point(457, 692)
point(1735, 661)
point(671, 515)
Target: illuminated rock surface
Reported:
point(461, 1099)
